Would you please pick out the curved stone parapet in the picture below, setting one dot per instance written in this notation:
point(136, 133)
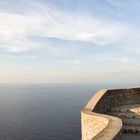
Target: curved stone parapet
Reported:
point(109, 113)
point(97, 126)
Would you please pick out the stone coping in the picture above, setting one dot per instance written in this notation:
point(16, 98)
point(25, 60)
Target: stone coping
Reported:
point(98, 126)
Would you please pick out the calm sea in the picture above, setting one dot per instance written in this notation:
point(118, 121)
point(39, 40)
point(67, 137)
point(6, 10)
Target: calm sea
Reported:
point(43, 111)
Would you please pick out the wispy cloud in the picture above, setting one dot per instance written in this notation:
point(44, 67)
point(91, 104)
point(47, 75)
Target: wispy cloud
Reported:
point(77, 62)
point(73, 62)
point(17, 30)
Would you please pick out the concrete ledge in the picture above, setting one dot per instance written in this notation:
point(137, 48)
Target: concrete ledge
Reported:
point(93, 124)
point(97, 126)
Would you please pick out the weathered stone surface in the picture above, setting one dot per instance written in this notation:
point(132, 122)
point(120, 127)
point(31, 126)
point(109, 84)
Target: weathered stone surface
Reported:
point(92, 125)
point(131, 121)
point(98, 126)
point(130, 115)
point(126, 111)
point(124, 114)
point(131, 129)
point(123, 103)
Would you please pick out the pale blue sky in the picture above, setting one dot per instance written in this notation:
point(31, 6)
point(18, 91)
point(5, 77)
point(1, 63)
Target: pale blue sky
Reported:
point(58, 41)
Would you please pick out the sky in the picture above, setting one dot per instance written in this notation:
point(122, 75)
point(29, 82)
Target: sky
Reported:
point(69, 41)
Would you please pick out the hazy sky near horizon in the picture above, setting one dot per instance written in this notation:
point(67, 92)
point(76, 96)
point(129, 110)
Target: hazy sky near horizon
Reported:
point(69, 41)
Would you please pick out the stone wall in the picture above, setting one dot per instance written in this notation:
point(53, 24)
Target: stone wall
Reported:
point(117, 97)
point(96, 124)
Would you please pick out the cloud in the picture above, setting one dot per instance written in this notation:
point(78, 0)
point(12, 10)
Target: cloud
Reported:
point(17, 30)
point(113, 59)
point(14, 33)
point(77, 62)
point(130, 41)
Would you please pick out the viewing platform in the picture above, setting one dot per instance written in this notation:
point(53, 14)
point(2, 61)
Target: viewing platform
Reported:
point(111, 115)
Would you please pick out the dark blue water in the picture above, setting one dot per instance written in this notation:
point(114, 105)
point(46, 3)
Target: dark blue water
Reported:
point(43, 111)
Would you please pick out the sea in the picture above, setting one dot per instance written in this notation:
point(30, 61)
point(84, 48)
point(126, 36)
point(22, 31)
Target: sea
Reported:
point(45, 111)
